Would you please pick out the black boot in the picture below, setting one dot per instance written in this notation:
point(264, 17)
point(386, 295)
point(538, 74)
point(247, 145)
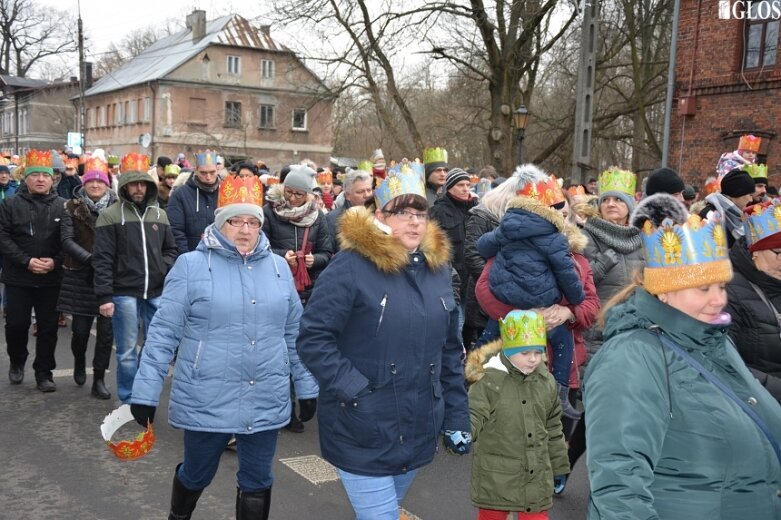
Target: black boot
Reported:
point(183, 500)
point(79, 370)
point(253, 505)
point(99, 389)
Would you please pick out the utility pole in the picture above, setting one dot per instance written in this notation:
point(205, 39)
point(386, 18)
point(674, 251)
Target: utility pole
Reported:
point(82, 70)
point(584, 95)
point(668, 103)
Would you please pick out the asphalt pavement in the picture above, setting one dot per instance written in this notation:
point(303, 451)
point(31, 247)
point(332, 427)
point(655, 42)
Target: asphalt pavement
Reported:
point(55, 465)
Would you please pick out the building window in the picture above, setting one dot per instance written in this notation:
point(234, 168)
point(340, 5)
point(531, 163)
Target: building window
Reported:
point(232, 114)
point(23, 121)
point(133, 115)
point(266, 69)
point(761, 37)
point(90, 118)
point(196, 112)
point(234, 65)
point(101, 117)
point(267, 116)
point(147, 109)
point(299, 119)
point(117, 114)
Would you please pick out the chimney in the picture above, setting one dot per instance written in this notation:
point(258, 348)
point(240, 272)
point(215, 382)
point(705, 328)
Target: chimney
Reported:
point(266, 30)
point(196, 22)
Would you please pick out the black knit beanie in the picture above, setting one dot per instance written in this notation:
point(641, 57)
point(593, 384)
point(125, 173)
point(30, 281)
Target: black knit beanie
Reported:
point(455, 176)
point(664, 180)
point(737, 183)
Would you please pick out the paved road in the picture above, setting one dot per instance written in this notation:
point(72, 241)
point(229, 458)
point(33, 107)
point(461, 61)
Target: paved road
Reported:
point(56, 466)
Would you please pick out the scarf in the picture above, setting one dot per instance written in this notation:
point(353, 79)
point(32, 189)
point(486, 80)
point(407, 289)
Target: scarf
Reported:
point(205, 187)
point(733, 217)
point(302, 216)
point(96, 207)
point(622, 239)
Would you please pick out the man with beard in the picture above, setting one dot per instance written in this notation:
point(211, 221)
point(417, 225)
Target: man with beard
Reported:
point(191, 207)
point(357, 192)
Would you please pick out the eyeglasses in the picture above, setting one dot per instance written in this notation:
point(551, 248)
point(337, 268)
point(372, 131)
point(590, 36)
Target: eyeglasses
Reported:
point(777, 253)
point(295, 194)
point(406, 215)
point(237, 222)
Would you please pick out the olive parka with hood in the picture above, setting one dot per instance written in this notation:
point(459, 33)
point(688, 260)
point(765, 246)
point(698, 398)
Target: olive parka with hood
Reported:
point(665, 443)
point(380, 335)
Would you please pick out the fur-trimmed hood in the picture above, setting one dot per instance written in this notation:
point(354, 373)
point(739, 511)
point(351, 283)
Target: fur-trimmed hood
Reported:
point(362, 233)
point(577, 240)
point(475, 361)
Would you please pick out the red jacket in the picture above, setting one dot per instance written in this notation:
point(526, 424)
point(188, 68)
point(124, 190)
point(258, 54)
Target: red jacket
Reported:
point(585, 313)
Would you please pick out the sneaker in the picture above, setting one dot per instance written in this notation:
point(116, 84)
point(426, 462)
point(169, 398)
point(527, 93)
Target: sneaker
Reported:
point(46, 385)
point(16, 375)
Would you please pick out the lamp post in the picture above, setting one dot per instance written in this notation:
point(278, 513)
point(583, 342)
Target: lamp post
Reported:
point(521, 119)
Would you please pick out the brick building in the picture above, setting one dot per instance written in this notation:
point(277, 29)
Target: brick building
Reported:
point(223, 85)
point(728, 83)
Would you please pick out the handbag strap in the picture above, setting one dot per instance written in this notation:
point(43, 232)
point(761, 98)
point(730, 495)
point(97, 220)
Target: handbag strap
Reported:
point(769, 304)
point(707, 374)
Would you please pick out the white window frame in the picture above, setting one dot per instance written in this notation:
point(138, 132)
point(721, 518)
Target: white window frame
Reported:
point(23, 121)
point(234, 65)
point(133, 115)
point(147, 110)
point(267, 69)
point(293, 120)
point(273, 124)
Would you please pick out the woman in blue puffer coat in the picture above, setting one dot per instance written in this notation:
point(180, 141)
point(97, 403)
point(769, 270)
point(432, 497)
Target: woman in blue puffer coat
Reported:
point(231, 309)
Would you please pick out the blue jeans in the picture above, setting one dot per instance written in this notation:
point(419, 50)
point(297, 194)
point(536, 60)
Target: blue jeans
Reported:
point(202, 451)
point(560, 339)
point(376, 498)
point(128, 310)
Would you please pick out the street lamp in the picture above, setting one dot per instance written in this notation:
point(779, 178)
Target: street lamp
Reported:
point(521, 119)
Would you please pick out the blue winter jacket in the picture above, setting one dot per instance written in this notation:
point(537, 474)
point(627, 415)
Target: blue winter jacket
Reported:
point(234, 321)
point(190, 210)
point(380, 335)
point(533, 266)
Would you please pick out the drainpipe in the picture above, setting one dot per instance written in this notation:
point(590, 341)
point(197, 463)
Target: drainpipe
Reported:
point(154, 120)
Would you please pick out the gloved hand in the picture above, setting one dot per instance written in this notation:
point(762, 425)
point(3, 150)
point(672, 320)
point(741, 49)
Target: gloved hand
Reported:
point(307, 409)
point(458, 443)
point(143, 413)
point(559, 483)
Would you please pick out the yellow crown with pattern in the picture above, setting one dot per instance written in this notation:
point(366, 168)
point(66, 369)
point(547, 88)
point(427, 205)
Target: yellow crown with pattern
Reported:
point(616, 179)
point(134, 162)
point(762, 221)
point(240, 190)
point(206, 158)
point(38, 161)
point(685, 256)
point(365, 166)
point(522, 330)
point(172, 170)
point(434, 155)
point(757, 171)
point(402, 180)
point(112, 160)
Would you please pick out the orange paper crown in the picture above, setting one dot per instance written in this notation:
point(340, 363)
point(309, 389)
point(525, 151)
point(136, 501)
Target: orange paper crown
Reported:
point(749, 143)
point(134, 162)
point(547, 191)
point(325, 177)
point(95, 164)
point(272, 180)
point(712, 185)
point(38, 161)
point(576, 190)
point(235, 190)
point(126, 450)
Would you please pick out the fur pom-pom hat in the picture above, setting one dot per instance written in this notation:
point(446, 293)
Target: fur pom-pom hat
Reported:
point(656, 208)
point(527, 174)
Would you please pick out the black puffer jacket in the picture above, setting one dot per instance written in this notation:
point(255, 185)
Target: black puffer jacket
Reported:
point(451, 215)
point(190, 209)
point(755, 329)
point(30, 228)
point(77, 293)
point(479, 222)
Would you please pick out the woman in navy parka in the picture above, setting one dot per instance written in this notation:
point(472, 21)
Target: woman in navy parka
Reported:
point(380, 334)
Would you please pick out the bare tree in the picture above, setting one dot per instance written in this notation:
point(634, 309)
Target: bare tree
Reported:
point(132, 45)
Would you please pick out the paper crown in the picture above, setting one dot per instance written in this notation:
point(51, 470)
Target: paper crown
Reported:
point(685, 256)
point(546, 191)
point(483, 187)
point(172, 169)
point(365, 166)
point(72, 163)
point(126, 450)
point(38, 161)
point(757, 171)
point(240, 190)
point(762, 221)
point(134, 162)
point(712, 185)
point(112, 160)
point(749, 143)
point(206, 158)
point(435, 155)
point(522, 330)
point(616, 179)
point(325, 177)
point(404, 179)
point(95, 164)
point(378, 159)
point(5, 161)
point(576, 190)
point(272, 180)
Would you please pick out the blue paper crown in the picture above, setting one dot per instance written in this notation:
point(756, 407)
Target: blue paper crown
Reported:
point(697, 241)
point(762, 221)
point(403, 178)
point(206, 158)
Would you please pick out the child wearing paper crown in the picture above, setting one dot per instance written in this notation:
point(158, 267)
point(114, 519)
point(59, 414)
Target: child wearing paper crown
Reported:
point(533, 267)
point(515, 415)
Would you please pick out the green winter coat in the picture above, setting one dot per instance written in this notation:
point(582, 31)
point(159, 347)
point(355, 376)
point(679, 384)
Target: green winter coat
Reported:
point(664, 442)
point(516, 428)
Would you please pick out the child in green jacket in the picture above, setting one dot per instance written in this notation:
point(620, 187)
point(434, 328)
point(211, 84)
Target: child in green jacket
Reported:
point(516, 423)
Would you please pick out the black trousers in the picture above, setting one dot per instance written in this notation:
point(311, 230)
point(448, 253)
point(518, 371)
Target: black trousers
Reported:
point(105, 338)
point(21, 302)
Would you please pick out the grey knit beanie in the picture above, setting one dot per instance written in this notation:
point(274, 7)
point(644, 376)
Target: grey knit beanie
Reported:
point(300, 178)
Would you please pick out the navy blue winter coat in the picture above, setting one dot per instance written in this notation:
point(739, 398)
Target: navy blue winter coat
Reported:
point(533, 266)
point(190, 210)
point(380, 335)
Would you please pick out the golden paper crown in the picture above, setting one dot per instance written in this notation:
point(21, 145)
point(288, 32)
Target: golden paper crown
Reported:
point(434, 155)
point(522, 330)
point(616, 179)
point(172, 169)
point(749, 143)
point(757, 171)
point(238, 190)
point(762, 221)
point(96, 164)
point(5, 161)
point(134, 162)
point(546, 191)
point(38, 161)
point(126, 450)
point(113, 160)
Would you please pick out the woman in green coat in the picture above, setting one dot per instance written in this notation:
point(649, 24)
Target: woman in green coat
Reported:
point(664, 442)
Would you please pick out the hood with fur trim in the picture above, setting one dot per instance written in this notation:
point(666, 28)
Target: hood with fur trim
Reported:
point(656, 208)
point(475, 361)
point(362, 233)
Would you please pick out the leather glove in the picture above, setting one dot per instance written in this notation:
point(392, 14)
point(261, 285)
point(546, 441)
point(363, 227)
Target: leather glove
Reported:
point(143, 414)
point(307, 409)
point(458, 443)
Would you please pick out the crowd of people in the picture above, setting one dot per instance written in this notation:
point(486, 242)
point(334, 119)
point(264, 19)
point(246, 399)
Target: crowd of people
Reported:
point(411, 304)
